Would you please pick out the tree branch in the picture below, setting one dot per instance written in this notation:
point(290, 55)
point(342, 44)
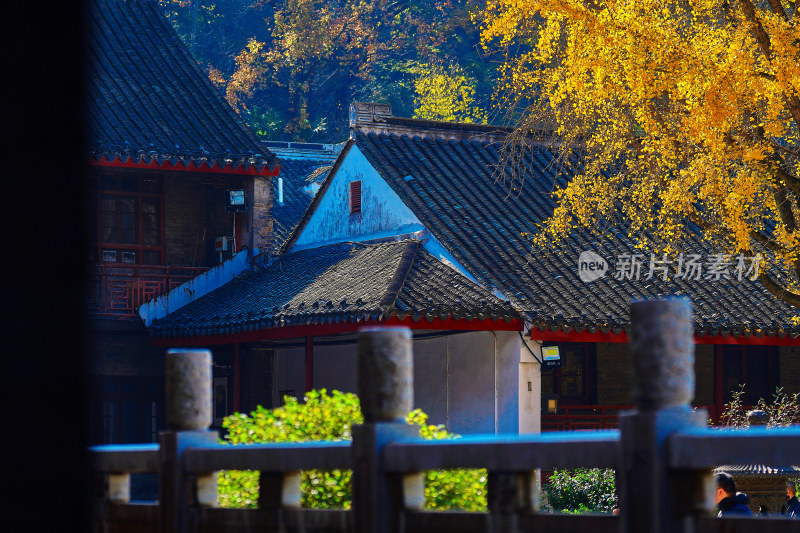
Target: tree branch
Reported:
point(760, 33)
point(777, 8)
point(792, 101)
point(766, 242)
point(792, 182)
point(778, 290)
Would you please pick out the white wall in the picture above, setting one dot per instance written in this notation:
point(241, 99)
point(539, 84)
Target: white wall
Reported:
point(468, 381)
point(530, 376)
point(383, 214)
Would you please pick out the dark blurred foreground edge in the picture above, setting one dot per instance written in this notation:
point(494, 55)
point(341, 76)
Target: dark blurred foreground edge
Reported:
point(43, 363)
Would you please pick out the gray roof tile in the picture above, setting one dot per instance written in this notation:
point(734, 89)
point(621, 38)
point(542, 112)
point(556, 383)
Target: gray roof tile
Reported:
point(347, 282)
point(149, 100)
point(455, 193)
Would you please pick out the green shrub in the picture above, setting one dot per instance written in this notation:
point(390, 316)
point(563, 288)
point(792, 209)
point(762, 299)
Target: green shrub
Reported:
point(782, 411)
point(325, 416)
point(581, 490)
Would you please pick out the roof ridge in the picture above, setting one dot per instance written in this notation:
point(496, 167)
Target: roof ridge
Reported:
point(341, 246)
point(428, 129)
point(400, 274)
point(377, 118)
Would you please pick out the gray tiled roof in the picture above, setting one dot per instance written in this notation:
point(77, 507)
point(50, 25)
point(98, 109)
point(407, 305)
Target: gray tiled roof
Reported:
point(296, 175)
point(149, 100)
point(760, 470)
point(452, 188)
point(347, 282)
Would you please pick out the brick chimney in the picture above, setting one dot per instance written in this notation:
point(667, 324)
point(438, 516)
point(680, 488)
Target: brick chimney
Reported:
point(364, 113)
point(371, 117)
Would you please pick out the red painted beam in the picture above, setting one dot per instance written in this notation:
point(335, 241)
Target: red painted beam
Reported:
point(215, 168)
point(599, 336)
point(751, 340)
point(316, 330)
point(575, 336)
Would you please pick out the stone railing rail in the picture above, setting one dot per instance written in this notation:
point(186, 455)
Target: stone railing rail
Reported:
point(663, 455)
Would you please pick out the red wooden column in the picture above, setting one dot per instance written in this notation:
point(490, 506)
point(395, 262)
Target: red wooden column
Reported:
point(237, 375)
point(309, 366)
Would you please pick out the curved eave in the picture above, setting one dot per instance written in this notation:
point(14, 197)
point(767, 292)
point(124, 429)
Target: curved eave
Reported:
point(619, 334)
point(245, 334)
point(760, 471)
point(186, 164)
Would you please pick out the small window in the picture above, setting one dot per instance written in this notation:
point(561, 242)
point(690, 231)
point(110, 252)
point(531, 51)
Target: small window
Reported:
point(355, 197)
point(128, 219)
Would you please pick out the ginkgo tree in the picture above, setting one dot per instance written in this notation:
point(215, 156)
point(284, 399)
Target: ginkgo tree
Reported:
point(684, 113)
point(320, 55)
point(445, 92)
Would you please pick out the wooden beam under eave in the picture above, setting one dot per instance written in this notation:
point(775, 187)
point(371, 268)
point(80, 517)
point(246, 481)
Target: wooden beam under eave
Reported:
point(599, 336)
point(189, 166)
point(296, 332)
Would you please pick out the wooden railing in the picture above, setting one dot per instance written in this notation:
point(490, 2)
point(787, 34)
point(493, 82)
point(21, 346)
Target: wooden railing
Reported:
point(662, 455)
point(589, 417)
point(118, 291)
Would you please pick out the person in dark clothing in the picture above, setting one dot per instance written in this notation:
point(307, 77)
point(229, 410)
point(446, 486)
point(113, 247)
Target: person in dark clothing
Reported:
point(792, 505)
point(729, 502)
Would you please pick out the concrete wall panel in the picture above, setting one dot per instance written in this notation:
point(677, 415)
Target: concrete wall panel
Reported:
point(456, 382)
point(471, 386)
point(335, 368)
point(430, 378)
point(289, 372)
point(507, 357)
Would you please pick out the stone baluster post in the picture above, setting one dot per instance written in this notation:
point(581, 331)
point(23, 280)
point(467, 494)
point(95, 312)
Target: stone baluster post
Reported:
point(757, 418)
point(386, 392)
point(189, 410)
point(653, 499)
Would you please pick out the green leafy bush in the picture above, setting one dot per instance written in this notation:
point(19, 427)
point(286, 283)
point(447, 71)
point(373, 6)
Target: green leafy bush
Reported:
point(325, 416)
point(581, 490)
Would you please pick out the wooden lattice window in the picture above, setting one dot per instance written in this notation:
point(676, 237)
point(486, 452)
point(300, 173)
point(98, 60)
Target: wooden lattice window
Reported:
point(129, 219)
point(755, 367)
point(355, 197)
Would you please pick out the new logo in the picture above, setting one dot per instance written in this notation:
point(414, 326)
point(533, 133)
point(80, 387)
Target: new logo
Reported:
point(591, 266)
